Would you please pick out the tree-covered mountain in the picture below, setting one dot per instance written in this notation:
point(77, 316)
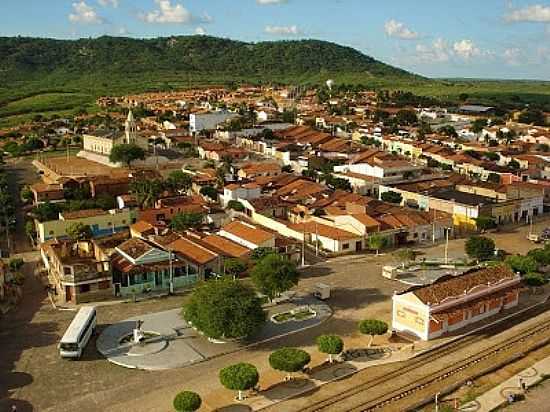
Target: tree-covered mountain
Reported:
point(197, 56)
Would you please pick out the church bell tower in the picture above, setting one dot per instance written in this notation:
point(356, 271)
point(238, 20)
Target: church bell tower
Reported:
point(130, 129)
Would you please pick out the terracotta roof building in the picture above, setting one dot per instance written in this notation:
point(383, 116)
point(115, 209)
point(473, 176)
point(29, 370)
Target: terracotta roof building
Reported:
point(453, 302)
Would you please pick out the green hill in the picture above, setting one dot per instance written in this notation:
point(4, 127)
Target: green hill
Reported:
point(55, 76)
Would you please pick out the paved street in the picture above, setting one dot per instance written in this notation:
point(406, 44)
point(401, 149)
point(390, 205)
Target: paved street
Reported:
point(31, 371)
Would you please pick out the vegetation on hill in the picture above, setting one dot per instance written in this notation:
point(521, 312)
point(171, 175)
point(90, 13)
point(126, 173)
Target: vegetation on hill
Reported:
point(56, 76)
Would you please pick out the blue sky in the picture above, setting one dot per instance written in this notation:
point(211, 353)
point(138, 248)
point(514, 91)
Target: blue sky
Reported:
point(481, 38)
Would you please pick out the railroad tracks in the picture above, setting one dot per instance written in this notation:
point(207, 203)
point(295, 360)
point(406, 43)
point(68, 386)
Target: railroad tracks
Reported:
point(369, 396)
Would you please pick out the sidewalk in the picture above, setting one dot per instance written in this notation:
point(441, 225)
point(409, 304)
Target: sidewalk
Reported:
point(496, 397)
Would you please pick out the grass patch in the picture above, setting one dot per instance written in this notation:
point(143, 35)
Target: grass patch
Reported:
point(45, 103)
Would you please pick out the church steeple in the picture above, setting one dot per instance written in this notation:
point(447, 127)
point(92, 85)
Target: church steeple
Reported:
point(130, 128)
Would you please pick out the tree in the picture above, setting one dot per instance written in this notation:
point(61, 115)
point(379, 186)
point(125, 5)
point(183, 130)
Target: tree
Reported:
point(492, 156)
point(405, 256)
point(210, 192)
point(27, 195)
point(514, 164)
point(239, 377)
point(391, 197)
point(235, 267)
point(532, 116)
point(225, 308)
point(260, 252)
point(79, 231)
point(541, 256)
point(235, 205)
point(406, 117)
point(126, 153)
point(184, 221)
point(478, 125)
point(147, 192)
point(289, 360)
point(179, 181)
point(330, 344)
point(105, 201)
point(535, 279)
point(46, 211)
point(30, 229)
point(522, 264)
point(274, 274)
point(15, 264)
point(187, 401)
point(372, 327)
point(480, 248)
point(485, 223)
point(376, 242)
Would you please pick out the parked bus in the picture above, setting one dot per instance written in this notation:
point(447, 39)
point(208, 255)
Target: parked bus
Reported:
point(78, 333)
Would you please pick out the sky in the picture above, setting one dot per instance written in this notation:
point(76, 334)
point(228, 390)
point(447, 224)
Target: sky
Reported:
point(504, 39)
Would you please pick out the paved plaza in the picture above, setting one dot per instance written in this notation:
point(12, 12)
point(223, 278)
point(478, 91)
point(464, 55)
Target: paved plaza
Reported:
point(172, 343)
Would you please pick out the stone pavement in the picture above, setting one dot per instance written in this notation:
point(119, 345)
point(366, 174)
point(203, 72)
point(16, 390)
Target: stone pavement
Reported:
point(497, 396)
point(172, 343)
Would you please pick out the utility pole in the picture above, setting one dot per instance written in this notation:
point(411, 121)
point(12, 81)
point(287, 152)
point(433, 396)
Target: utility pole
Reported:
point(433, 227)
point(316, 239)
point(437, 402)
point(447, 230)
point(304, 246)
point(171, 270)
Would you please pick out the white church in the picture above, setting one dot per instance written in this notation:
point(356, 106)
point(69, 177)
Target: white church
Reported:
point(98, 147)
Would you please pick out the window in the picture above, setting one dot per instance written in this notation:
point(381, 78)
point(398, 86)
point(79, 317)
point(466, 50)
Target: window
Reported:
point(67, 270)
point(345, 246)
point(51, 232)
point(124, 222)
point(84, 288)
point(415, 235)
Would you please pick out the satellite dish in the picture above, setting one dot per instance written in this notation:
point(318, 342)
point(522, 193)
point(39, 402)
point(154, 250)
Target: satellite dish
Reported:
point(330, 83)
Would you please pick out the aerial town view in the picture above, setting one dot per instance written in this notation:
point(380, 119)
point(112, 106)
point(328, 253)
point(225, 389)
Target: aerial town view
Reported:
point(274, 205)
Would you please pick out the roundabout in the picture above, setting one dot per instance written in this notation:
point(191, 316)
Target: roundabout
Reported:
point(165, 340)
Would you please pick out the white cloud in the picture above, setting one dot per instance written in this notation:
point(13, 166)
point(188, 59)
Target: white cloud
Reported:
point(168, 13)
point(206, 18)
point(535, 13)
point(106, 3)
point(393, 28)
point(466, 49)
point(200, 30)
point(123, 31)
point(438, 51)
point(512, 56)
point(268, 2)
point(82, 13)
point(282, 30)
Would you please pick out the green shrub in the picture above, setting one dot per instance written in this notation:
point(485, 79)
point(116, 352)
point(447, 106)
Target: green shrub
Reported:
point(521, 264)
point(534, 279)
point(289, 359)
point(187, 401)
point(330, 344)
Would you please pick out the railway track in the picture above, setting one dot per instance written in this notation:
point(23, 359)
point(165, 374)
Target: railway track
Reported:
point(357, 397)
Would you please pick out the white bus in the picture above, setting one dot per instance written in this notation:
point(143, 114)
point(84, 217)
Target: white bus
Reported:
point(78, 333)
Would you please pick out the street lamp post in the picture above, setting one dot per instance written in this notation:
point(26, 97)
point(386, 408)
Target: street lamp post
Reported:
point(447, 230)
point(171, 270)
